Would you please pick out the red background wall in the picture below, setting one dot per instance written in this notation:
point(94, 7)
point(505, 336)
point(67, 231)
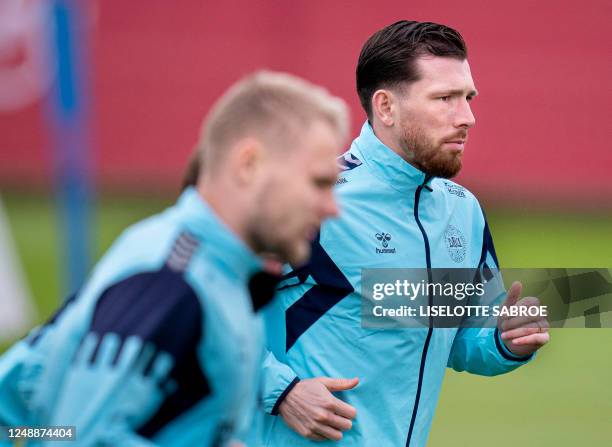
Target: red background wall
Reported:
point(543, 70)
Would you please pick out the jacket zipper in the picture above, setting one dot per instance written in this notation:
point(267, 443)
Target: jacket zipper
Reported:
point(417, 197)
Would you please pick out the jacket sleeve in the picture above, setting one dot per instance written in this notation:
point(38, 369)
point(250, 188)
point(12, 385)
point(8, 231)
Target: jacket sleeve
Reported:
point(144, 333)
point(480, 350)
point(326, 284)
point(13, 404)
point(28, 368)
point(21, 370)
point(278, 380)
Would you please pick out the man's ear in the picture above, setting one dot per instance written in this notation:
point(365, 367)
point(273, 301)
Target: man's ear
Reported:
point(384, 106)
point(246, 159)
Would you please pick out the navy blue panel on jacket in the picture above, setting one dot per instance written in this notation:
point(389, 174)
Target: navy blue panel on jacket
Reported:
point(348, 161)
point(487, 247)
point(332, 286)
point(159, 307)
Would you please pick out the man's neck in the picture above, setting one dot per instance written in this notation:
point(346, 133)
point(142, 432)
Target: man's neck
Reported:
point(230, 212)
point(387, 138)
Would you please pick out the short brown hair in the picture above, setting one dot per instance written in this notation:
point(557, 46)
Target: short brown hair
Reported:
point(387, 58)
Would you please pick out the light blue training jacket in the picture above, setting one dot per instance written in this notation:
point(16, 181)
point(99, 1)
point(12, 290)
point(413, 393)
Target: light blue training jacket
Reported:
point(391, 216)
point(160, 347)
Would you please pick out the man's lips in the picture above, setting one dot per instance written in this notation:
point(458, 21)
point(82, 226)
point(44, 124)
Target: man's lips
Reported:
point(456, 144)
point(457, 138)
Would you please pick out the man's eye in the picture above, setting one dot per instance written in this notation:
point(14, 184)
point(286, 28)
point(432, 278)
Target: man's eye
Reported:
point(445, 98)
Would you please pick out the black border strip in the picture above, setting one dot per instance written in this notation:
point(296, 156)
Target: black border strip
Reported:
point(417, 196)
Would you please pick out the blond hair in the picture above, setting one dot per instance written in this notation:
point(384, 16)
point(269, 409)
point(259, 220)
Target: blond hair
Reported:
point(273, 107)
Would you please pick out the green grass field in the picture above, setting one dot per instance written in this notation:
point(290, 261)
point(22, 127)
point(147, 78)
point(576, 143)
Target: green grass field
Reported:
point(564, 398)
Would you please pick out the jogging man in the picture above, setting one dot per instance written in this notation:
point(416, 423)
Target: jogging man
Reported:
point(161, 346)
point(415, 85)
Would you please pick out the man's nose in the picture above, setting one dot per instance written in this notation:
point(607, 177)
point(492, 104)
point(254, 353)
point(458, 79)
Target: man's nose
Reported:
point(465, 117)
point(329, 206)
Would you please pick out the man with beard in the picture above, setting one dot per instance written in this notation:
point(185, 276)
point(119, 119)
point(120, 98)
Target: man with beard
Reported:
point(162, 345)
point(398, 210)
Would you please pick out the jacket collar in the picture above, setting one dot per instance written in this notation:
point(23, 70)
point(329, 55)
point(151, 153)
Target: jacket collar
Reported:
point(386, 164)
point(218, 240)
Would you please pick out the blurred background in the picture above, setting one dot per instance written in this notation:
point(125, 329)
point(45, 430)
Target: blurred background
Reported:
point(101, 103)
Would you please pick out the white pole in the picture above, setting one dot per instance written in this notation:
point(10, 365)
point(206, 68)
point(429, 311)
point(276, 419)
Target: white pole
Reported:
point(16, 309)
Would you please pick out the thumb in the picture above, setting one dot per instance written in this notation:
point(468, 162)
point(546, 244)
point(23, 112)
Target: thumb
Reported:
point(514, 294)
point(338, 384)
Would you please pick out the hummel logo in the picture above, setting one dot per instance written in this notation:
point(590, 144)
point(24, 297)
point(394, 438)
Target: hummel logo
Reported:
point(384, 239)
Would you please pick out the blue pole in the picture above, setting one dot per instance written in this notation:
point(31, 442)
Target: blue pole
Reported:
point(68, 118)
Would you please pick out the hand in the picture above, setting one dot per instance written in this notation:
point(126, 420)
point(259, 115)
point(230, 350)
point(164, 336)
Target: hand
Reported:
point(523, 335)
point(311, 409)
